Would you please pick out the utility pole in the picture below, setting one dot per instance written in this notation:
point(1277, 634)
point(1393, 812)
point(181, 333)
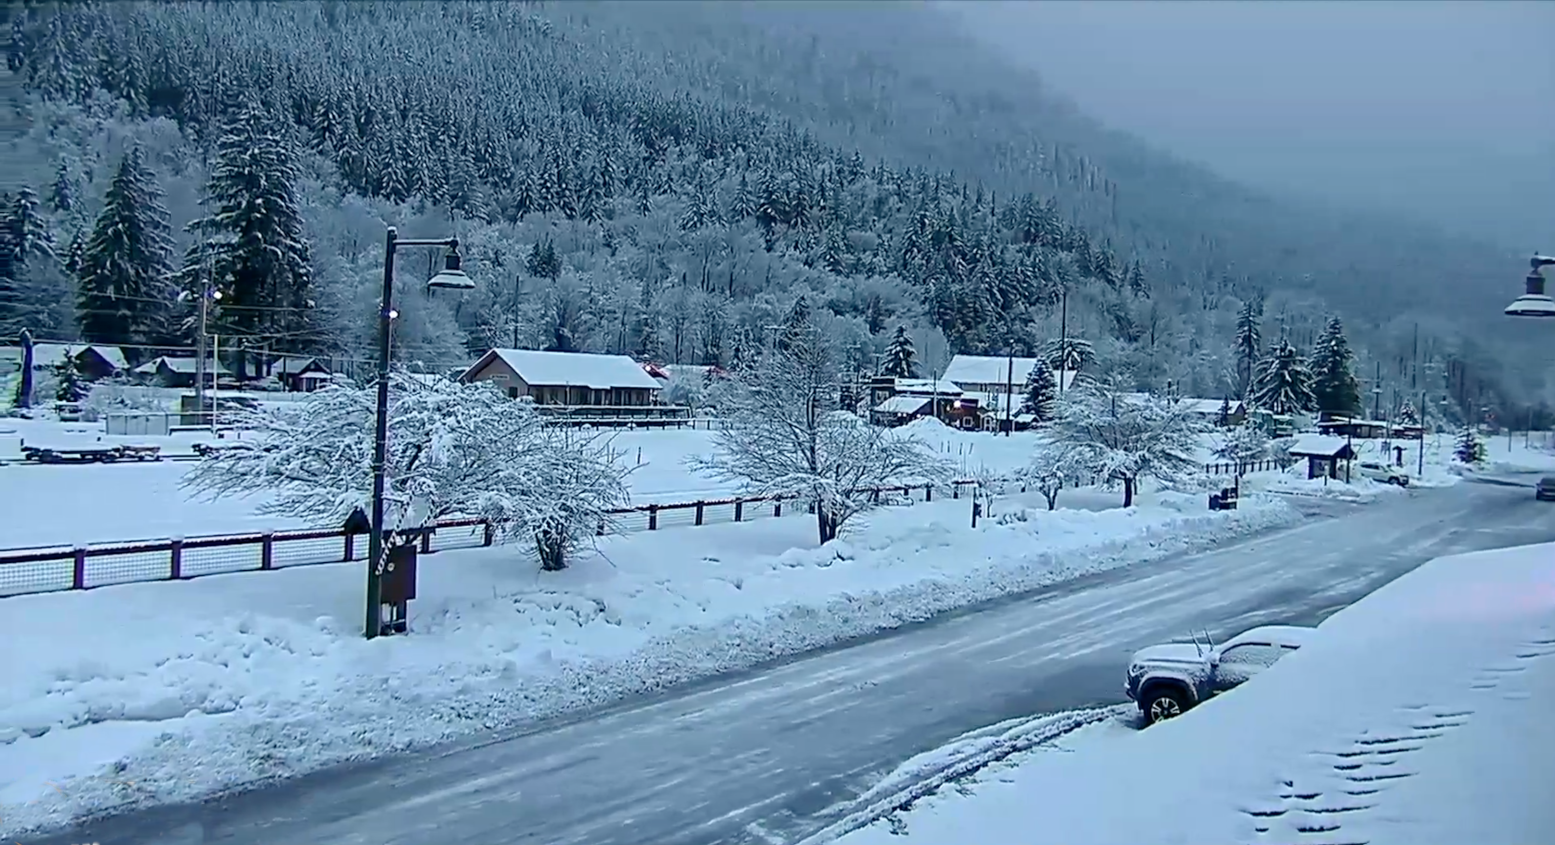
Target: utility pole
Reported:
point(1420, 464)
point(1063, 335)
point(1009, 391)
point(518, 282)
point(1376, 402)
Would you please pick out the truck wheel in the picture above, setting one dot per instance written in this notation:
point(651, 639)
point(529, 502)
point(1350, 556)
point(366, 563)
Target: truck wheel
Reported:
point(1162, 703)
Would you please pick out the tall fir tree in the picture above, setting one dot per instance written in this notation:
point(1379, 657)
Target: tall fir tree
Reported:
point(123, 280)
point(1249, 340)
point(1333, 384)
point(900, 356)
point(26, 265)
point(258, 252)
point(1040, 392)
point(1283, 384)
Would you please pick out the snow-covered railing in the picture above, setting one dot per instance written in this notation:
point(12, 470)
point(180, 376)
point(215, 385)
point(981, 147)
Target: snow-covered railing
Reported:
point(1240, 468)
point(53, 568)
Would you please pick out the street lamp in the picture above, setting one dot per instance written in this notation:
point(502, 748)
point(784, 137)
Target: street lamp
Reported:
point(451, 278)
point(1534, 302)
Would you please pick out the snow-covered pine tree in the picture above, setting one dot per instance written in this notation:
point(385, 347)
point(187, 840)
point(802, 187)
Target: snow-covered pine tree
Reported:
point(1469, 448)
point(1334, 388)
point(26, 288)
point(543, 261)
point(782, 436)
point(1242, 444)
point(1407, 415)
point(258, 251)
point(1040, 392)
point(123, 274)
point(1283, 384)
point(69, 386)
point(1122, 438)
point(796, 326)
point(1249, 341)
point(1069, 354)
point(900, 356)
point(1223, 415)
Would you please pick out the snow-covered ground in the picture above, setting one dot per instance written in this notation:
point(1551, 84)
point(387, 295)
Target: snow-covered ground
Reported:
point(55, 505)
point(1419, 715)
point(110, 698)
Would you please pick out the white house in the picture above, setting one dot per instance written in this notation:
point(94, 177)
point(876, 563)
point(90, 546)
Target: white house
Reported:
point(567, 378)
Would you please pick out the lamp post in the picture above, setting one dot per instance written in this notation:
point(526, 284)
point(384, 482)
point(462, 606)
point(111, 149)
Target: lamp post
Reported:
point(1534, 302)
point(451, 278)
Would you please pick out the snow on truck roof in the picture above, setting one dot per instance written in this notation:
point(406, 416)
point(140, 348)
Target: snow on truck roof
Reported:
point(570, 369)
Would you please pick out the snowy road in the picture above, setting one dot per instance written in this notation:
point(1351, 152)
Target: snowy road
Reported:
point(769, 756)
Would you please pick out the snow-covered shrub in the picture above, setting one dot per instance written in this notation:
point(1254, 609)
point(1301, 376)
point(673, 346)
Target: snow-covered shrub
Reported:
point(1243, 444)
point(453, 450)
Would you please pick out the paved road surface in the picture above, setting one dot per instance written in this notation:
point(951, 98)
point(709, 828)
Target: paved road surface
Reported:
point(761, 757)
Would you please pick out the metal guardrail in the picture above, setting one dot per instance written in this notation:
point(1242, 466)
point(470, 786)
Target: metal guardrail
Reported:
point(55, 568)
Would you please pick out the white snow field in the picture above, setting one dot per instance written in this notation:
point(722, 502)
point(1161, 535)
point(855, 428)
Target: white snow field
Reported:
point(1420, 715)
point(55, 505)
point(144, 693)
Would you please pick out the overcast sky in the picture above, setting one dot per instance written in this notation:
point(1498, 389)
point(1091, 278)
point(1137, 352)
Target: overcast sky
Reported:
point(1441, 109)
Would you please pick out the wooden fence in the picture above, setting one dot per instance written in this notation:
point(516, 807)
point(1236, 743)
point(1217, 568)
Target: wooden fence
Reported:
point(1234, 468)
point(54, 568)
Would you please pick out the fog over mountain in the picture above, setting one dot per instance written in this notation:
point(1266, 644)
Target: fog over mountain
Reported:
point(1441, 110)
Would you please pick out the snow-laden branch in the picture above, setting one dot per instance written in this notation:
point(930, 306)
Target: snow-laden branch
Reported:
point(782, 437)
point(453, 450)
point(1123, 437)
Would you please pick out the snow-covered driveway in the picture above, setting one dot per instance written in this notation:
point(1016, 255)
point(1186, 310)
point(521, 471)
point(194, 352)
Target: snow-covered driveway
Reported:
point(762, 757)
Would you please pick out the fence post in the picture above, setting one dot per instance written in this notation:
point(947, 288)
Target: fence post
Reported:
point(350, 547)
point(777, 508)
point(955, 490)
point(928, 492)
point(653, 517)
point(426, 542)
point(739, 509)
point(699, 513)
point(267, 551)
point(488, 533)
point(78, 571)
point(175, 560)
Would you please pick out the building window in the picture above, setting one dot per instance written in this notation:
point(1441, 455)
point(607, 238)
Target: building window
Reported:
point(512, 393)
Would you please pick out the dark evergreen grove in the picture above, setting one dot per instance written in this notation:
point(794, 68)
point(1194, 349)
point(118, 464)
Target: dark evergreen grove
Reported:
point(666, 183)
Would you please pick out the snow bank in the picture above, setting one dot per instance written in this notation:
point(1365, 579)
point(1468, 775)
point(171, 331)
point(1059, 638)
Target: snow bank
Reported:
point(1419, 715)
point(182, 688)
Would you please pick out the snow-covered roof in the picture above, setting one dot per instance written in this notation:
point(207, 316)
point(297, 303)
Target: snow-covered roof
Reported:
point(570, 369)
point(53, 354)
point(1337, 421)
point(992, 369)
point(903, 405)
point(181, 365)
point(1419, 714)
point(1209, 406)
point(1317, 445)
point(292, 365)
point(926, 386)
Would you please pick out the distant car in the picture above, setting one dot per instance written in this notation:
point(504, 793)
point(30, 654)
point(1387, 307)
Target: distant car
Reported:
point(1168, 680)
point(1544, 491)
point(1383, 473)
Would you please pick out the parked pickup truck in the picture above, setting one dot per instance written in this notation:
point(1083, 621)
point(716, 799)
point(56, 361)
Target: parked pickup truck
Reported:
point(1167, 680)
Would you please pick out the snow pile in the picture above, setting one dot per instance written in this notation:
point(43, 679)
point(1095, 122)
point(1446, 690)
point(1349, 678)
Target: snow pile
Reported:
point(1419, 715)
point(183, 688)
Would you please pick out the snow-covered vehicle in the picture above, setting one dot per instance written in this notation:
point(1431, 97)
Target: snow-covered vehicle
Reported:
point(1167, 680)
point(1544, 491)
point(1382, 473)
